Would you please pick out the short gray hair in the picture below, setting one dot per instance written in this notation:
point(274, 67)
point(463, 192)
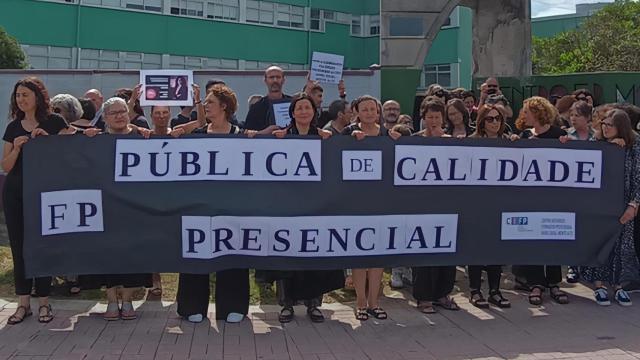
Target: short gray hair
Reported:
point(112, 101)
point(68, 105)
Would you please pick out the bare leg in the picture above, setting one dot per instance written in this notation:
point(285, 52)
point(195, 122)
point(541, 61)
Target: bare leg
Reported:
point(375, 278)
point(360, 283)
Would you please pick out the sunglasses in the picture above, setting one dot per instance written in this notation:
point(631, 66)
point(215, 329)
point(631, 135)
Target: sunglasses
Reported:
point(492, 119)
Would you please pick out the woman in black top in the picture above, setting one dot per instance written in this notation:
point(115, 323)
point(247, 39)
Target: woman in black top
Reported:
point(88, 113)
point(232, 286)
point(31, 117)
point(457, 119)
point(539, 115)
point(136, 114)
point(309, 285)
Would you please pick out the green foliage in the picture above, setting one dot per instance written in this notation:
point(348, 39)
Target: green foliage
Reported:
point(607, 41)
point(11, 55)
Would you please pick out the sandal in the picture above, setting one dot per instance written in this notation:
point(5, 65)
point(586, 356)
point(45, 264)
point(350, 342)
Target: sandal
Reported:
point(426, 307)
point(48, 315)
point(112, 313)
point(378, 313)
point(315, 314)
point(286, 314)
point(448, 304)
point(535, 299)
point(156, 291)
point(16, 319)
point(74, 289)
point(496, 298)
point(477, 300)
point(558, 295)
point(362, 314)
point(127, 312)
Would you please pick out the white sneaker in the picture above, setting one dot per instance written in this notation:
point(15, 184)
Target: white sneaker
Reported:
point(602, 297)
point(195, 318)
point(396, 278)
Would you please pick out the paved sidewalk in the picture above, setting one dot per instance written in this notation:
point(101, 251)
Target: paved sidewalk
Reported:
point(580, 330)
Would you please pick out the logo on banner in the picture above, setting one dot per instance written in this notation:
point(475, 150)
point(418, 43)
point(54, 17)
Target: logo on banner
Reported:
point(206, 237)
point(71, 211)
point(539, 226)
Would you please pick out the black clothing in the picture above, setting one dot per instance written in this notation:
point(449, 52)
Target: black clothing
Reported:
point(261, 115)
point(348, 130)
point(203, 130)
point(13, 206)
point(181, 119)
point(329, 126)
point(494, 272)
point(141, 121)
point(431, 283)
point(232, 293)
point(554, 132)
point(323, 119)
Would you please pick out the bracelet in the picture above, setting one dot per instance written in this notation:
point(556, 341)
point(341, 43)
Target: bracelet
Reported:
point(633, 205)
point(198, 102)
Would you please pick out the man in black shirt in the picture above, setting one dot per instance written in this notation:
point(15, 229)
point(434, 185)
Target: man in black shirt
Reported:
point(184, 116)
point(261, 114)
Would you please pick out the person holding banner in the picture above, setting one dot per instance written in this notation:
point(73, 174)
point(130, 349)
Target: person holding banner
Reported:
point(367, 281)
point(136, 114)
point(308, 286)
point(31, 116)
point(490, 124)
point(261, 114)
point(232, 286)
point(457, 119)
point(116, 117)
point(622, 265)
point(433, 284)
point(540, 115)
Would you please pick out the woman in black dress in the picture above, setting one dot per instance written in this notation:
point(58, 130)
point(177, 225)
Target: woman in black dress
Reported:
point(232, 286)
point(31, 117)
point(307, 286)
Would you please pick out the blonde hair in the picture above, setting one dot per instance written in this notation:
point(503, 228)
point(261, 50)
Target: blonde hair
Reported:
point(542, 110)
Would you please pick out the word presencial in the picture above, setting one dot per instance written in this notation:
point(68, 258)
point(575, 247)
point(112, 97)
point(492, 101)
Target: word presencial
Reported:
point(205, 237)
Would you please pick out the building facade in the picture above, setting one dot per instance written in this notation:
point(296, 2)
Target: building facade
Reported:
point(192, 34)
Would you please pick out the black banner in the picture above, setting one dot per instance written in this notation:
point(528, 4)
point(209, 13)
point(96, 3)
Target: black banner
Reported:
point(199, 204)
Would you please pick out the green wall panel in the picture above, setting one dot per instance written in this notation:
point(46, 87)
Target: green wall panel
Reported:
point(39, 23)
point(444, 49)
point(550, 27)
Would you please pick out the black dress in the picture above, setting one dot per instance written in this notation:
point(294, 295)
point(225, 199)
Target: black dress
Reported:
point(305, 285)
point(97, 281)
point(13, 207)
point(232, 286)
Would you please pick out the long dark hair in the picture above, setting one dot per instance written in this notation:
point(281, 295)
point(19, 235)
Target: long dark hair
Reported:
point(42, 99)
point(458, 105)
point(622, 123)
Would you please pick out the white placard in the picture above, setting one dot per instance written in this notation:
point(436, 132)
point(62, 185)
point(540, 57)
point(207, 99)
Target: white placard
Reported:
point(326, 68)
point(166, 87)
point(538, 226)
point(196, 159)
point(71, 211)
point(470, 165)
point(361, 165)
point(281, 114)
point(318, 236)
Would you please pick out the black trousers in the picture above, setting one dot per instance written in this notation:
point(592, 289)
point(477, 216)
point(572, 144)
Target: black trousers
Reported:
point(542, 275)
point(286, 298)
point(431, 283)
point(494, 272)
point(13, 212)
point(232, 293)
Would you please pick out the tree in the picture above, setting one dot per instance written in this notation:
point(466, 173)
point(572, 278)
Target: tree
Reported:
point(607, 41)
point(11, 54)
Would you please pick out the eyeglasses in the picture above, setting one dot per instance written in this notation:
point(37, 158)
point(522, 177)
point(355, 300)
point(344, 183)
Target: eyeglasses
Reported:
point(492, 119)
point(116, 113)
point(605, 124)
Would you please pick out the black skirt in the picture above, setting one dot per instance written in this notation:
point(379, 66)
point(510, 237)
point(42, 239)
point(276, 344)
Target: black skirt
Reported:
point(309, 284)
point(88, 282)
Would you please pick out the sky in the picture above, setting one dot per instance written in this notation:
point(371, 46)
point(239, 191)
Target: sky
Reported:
point(557, 7)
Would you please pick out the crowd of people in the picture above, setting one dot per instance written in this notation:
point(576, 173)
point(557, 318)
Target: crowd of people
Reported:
point(450, 114)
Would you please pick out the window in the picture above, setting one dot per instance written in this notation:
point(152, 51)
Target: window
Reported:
point(149, 5)
point(356, 25)
point(259, 12)
point(107, 59)
point(406, 26)
point(315, 21)
point(437, 74)
point(223, 9)
point(48, 57)
point(290, 16)
point(374, 25)
point(187, 7)
point(329, 15)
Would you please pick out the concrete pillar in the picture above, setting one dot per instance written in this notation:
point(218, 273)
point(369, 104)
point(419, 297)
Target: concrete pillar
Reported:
point(501, 37)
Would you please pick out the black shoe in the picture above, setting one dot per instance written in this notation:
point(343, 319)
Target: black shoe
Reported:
point(286, 314)
point(573, 276)
point(315, 314)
